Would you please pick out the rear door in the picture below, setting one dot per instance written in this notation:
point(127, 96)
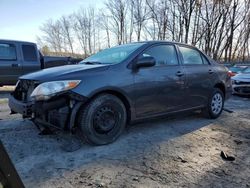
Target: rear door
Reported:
point(31, 61)
point(200, 75)
point(10, 64)
point(161, 88)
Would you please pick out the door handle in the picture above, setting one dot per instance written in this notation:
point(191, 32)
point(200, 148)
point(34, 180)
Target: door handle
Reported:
point(179, 73)
point(210, 71)
point(16, 65)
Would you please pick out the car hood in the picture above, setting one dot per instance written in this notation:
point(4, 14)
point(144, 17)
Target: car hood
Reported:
point(63, 72)
point(243, 77)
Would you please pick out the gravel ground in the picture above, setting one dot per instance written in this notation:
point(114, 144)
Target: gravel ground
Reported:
point(181, 151)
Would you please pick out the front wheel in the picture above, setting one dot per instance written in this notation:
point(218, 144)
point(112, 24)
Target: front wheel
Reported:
point(215, 104)
point(102, 120)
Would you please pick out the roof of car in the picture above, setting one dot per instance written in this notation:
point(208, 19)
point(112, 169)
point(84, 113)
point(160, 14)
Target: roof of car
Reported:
point(163, 41)
point(16, 41)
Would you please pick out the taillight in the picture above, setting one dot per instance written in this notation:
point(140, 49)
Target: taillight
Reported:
point(230, 73)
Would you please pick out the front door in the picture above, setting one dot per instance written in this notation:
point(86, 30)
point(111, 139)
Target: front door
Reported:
point(161, 88)
point(10, 65)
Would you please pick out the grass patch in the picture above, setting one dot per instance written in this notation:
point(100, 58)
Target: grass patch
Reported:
point(3, 101)
point(7, 88)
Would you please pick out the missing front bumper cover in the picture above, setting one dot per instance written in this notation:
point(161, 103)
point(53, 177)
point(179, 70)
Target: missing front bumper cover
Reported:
point(57, 112)
point(24, 108)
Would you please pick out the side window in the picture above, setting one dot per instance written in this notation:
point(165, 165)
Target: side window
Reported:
point(190, 56)
point(163, 54)
point(205, 61)
point(7, 51)
point(29, 53)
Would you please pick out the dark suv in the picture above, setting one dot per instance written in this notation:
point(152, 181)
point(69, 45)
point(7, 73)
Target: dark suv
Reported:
point(120, 85)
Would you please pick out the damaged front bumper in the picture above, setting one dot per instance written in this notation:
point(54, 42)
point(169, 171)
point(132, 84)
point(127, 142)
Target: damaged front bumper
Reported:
point(60, 111)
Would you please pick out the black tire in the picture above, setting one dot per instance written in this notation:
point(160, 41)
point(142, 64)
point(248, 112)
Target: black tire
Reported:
point(215, 104)
point(102, 120)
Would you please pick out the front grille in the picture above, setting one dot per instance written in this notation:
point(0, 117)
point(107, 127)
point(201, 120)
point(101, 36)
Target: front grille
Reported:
point(24, 89)
point(245, 90)
point(242, 83)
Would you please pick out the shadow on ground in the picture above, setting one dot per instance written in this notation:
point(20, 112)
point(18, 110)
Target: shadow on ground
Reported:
point(40, 158)
point(177, 151)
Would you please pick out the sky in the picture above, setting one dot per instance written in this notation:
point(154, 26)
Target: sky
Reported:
point(21, 19)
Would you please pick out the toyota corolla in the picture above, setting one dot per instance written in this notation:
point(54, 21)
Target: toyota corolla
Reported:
point(120, 85)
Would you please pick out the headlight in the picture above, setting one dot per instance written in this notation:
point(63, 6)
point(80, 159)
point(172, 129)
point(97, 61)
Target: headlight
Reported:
point(47, 90)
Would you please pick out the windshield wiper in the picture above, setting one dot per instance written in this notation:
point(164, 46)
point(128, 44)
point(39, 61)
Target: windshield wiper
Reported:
point(91, 62)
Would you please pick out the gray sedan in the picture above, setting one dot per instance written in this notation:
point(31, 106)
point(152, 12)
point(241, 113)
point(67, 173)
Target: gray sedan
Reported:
point(121, 85)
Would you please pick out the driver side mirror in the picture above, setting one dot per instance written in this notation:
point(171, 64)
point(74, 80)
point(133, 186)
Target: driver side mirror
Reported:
point(145, 62)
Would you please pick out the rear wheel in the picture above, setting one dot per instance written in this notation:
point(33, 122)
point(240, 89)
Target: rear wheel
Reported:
point(103, 119)
point(215, 104)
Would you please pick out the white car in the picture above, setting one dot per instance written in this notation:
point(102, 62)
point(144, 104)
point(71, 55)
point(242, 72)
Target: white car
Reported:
point(241, 83)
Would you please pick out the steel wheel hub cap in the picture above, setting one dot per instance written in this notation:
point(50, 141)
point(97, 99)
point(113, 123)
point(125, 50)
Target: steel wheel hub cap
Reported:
point(104, 120)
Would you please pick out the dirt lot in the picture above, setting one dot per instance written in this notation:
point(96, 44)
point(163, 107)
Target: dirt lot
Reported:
point(173, 152)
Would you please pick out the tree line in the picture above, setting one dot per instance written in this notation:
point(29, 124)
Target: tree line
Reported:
point(221, 28)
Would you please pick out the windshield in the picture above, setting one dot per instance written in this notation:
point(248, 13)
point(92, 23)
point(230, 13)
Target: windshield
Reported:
point(113, 55)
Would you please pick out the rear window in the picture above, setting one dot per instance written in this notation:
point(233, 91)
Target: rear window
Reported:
point(190, 56)
point(7, 51)
point(29, 53)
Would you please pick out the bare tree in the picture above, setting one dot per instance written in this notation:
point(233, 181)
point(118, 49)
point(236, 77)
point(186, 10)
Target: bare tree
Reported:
point(140, 15)
point(67, 30)
point(53, 34)
point(85, 30)
point(221, 28)
point(159, 10)
point(186, 9)
point(118, 9)
point(104, 22)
